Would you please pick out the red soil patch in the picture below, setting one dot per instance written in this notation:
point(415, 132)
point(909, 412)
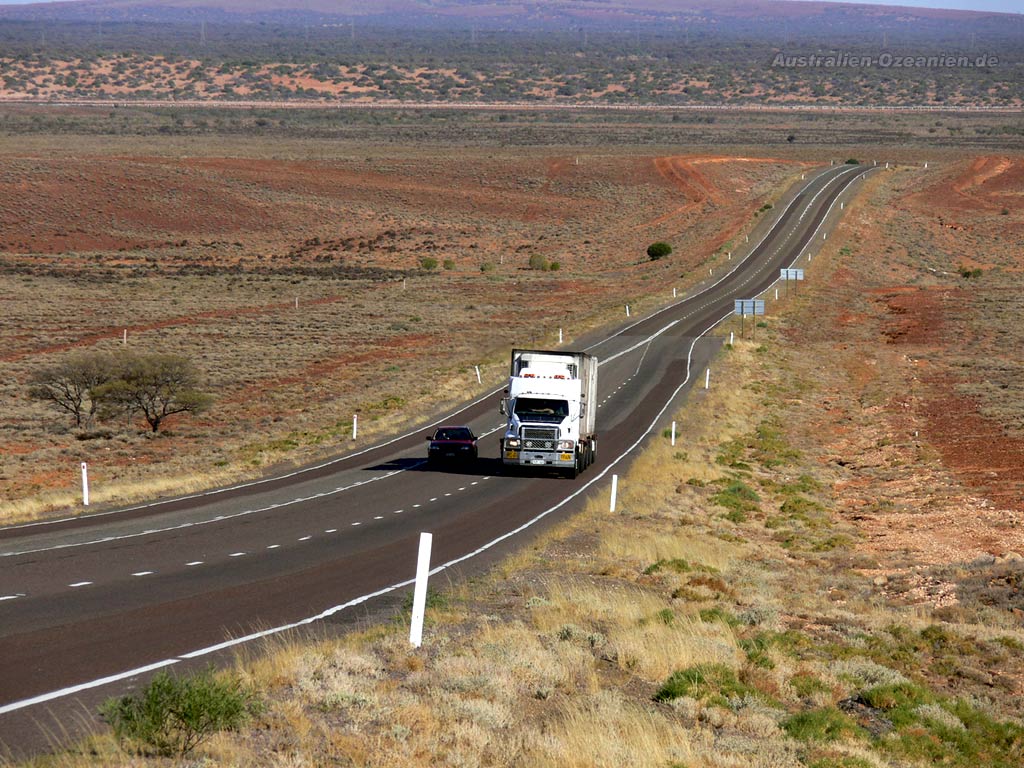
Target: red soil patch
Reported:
point(916, 316)
point(976, 448)
point(986, 185)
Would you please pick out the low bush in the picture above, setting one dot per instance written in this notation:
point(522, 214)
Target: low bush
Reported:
point(658, 250)
point(172, 715)
point(828, 724)
point(716, 683)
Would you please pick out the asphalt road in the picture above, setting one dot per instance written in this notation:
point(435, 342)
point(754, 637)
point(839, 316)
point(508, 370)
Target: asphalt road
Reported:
point(92, 605)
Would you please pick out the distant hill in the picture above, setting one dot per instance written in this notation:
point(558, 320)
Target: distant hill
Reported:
point(504, 14)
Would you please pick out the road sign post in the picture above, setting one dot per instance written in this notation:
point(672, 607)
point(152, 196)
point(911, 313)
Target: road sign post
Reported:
point(791, 274)
point(744, 307)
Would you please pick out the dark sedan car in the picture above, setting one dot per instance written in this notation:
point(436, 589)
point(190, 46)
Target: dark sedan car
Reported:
point(452, 444)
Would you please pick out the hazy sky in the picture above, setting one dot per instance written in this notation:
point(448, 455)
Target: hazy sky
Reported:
point(1006, 6)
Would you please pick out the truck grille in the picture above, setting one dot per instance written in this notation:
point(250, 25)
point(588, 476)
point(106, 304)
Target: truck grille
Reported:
point(540, 438)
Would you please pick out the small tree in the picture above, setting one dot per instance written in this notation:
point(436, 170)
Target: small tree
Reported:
point(157, 385)
point(69, 385)
point(658, 250)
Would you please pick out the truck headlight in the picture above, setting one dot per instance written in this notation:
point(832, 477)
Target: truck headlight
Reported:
point(512, 442)
point(565, 445)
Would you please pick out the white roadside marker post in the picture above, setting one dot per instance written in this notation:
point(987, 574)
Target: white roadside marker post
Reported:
point(124, 337)
point(559, 335)
point(673, 434)
point(477, 369)
point(673, 293)
point(732, 335)
point(85, 484)
point(419, 595)
point(615, 493)
point(707, 379)
point(627, 310)
point(355, 425)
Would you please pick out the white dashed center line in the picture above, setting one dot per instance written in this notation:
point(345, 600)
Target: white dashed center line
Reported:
point(305, 538)
point(11, 597)
point(274, 546)
point(354, 524)
point(331, 530)
point(143, 573)
point(237, 554)
point(80, 584)
point(194, 563)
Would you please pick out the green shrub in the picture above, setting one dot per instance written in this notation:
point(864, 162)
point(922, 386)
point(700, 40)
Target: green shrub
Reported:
point(677, 565)
point(448, 264)
point(718, 613)
point(805, 684)
point(428, 263)
point(739, 498)
point(715, 682)
point(487, 266)
point(554, 266)
point(828, 724)
point(539, 262)
point(658, 250)
point(172, 715)
point(853, 161)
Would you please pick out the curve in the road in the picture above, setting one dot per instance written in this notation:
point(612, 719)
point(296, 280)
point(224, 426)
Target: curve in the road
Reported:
point(657, 335)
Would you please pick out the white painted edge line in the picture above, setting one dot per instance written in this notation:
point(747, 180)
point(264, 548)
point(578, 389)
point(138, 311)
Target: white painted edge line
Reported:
point(52, 695)
point(85, 686)
point(447, 417)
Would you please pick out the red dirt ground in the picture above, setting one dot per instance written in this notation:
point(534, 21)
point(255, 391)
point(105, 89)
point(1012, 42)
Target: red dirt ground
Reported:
point(927, 476)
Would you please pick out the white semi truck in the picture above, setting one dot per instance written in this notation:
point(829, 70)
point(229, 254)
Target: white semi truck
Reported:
point(551, 406)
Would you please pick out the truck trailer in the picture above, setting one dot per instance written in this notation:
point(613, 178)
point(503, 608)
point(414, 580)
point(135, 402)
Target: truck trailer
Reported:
point(551, 406)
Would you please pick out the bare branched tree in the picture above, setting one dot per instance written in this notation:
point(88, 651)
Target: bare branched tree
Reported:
point(156, 385)
point(69, 385)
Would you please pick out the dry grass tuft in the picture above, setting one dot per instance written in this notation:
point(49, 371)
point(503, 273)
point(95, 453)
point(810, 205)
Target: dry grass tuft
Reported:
point(609, 730)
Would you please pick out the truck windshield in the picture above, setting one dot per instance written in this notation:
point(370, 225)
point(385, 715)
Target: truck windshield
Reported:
point(541, 409)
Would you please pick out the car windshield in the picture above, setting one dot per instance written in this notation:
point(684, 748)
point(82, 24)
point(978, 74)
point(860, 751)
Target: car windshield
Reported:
point(541, 409)
point(453, 433)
